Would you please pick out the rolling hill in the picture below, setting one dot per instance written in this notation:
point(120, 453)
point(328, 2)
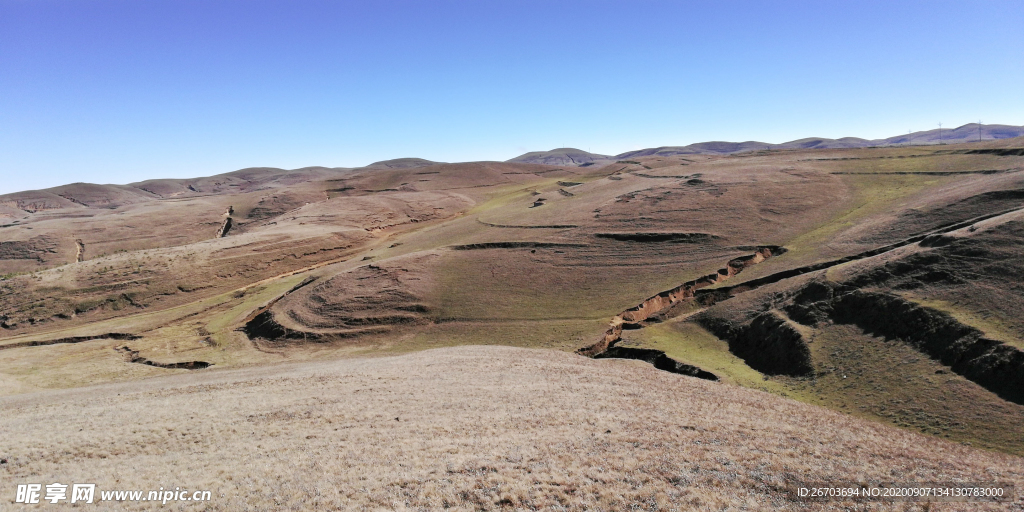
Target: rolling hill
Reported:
point(971, 132)
point(847, 312)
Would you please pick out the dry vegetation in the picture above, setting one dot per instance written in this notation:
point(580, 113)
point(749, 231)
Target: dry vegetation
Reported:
point(467, 428)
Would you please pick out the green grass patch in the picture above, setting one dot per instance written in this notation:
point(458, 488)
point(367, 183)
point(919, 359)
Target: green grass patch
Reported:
point(566, 335)
point(872, 195)
point(519, 284)
point(689, 343)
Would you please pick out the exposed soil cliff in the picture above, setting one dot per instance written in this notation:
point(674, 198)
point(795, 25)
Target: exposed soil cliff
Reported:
point(767, 344)
point(658, 359)
point(71, 339)
point(132, 356)
point(223, 232)
point(632, 317)
point(994, 365)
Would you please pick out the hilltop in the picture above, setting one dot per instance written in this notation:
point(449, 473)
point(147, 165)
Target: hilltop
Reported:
point(470, 428)
point(563, 157)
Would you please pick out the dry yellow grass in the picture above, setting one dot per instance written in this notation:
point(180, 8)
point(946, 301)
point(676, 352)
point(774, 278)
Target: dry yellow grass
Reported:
point(466, 428)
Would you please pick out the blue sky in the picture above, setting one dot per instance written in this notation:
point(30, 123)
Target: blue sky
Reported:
point(120, 91)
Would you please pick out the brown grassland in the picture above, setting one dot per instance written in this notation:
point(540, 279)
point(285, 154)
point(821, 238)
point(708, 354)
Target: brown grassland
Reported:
point(405, 335)
point(467, 429)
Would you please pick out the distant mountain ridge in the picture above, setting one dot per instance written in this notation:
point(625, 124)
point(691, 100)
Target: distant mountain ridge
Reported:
point(77, 195)
point(92, 195)
point(966, 133)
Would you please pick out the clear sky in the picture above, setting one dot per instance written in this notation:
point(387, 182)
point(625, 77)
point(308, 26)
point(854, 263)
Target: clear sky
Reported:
point(120, 91)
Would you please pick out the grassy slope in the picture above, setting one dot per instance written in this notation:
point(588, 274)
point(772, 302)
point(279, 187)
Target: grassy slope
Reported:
point(474, 428)
point(889, 381)
point(864, 376)
point(873, 195)
point(901, 387)
point(990, 322)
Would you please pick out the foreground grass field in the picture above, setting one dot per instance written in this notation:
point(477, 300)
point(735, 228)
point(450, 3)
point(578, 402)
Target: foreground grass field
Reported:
point(467, 428)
